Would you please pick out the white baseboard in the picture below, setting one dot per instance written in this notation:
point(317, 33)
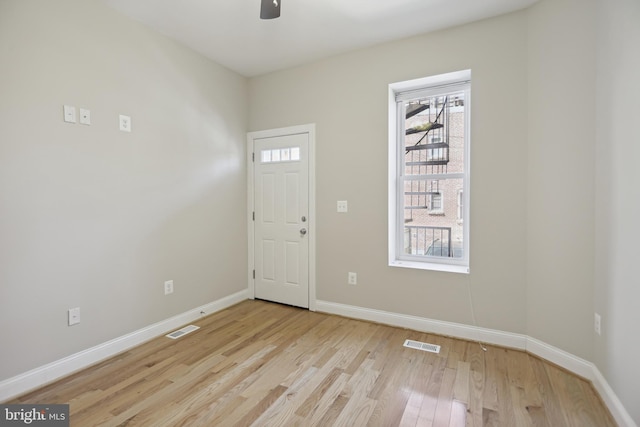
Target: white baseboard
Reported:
point(561, 358)
point(457, 330)
point(536, 347)
point(610, 399)
point(42, 375)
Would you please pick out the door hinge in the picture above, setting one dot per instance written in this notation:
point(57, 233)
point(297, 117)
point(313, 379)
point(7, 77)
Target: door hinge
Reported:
point(254, 274)
point(254, 215)
point(253, 157)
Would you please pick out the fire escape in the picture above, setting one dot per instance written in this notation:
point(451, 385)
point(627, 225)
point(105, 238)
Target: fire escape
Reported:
point(428, 120)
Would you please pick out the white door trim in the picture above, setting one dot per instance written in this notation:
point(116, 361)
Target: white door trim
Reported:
point(309, 129)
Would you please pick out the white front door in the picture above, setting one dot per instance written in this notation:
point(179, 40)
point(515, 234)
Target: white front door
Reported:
point(281, 225)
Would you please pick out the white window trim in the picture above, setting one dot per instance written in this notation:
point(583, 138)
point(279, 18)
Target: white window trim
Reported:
point(395, 163)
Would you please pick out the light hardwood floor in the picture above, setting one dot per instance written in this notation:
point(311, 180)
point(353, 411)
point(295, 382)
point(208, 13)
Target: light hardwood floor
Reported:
point(265, 364)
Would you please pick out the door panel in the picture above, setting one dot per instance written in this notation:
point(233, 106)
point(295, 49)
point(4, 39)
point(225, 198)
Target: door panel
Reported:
point(292, 263)
point(292, 196)
point(268, 260)
point(281, 201)
point(268, 198)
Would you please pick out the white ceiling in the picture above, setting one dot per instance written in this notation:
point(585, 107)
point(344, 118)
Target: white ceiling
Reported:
point(231, 33)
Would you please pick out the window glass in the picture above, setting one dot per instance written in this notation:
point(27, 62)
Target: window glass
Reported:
point(266, 156)
point(291, 154)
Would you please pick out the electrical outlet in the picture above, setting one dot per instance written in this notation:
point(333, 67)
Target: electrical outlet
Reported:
point(85, 116)
point(74, 316)
point(342, 206)
point(352, 278)
point(597, 323)
point(168, 287)
point(125, 123)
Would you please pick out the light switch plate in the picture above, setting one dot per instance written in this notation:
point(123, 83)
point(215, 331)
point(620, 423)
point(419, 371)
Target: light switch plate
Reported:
point(69, 113)
point(74, 316)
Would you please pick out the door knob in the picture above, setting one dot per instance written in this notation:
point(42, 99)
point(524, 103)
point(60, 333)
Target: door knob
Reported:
point(303, 231)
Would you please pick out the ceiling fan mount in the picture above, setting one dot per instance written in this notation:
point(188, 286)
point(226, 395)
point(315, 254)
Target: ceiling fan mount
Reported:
point(270, 9)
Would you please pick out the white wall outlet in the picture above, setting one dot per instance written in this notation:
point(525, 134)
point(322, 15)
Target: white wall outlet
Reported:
point(74, 316)
point(125, 123)
point(85, 116)
point(352, 278)
point(342, 206)
point(168, 287)
point(69, 113)
point(597, 323)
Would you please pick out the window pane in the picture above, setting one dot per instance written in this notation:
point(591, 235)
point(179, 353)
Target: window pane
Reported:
point(434, 145)
point(284, 155)
point(436, 202)
point(266, 156)
point(434, 135)
point(295, 153)
point(431, 225)
point(275, 155)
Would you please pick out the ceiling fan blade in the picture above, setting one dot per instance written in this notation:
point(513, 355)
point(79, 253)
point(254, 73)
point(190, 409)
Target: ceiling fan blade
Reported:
point(270, 9)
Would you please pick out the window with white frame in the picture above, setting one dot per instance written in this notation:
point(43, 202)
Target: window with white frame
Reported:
point(429, 172)
point(435, 206)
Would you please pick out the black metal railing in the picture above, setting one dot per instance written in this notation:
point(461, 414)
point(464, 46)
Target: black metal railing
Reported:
point(428, 240)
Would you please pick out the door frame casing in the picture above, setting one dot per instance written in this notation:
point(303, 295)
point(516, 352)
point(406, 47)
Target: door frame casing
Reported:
point(310, 130)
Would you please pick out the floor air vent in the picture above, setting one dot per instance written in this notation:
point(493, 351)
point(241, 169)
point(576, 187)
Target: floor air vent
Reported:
point(181, 332)
point(422, 346)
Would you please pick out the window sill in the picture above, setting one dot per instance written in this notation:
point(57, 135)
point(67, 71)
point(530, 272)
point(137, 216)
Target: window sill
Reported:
point(448, 268)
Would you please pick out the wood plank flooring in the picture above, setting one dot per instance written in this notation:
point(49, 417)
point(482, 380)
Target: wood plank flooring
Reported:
point(264, 364)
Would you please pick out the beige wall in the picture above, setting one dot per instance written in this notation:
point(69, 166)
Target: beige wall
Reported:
point(560, 171)
point(346, 96)
point(617, 350)
point(95, 218)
